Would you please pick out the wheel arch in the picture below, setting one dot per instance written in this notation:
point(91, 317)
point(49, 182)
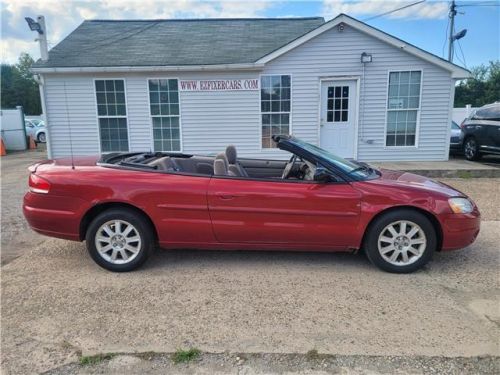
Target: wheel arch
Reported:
point(432, 218)
point(468, 136)
point(95, 210)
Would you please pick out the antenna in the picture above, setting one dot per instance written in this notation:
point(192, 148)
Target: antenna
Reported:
point(69, 126)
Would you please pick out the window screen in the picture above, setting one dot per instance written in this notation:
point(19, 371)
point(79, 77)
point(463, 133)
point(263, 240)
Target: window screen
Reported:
point(164, 110)
point(275, 102)
point(403, 105)
point(112, 115)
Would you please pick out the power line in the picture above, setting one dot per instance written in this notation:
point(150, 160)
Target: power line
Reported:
point(394, 10)
point(462, 52)
point(445, 37)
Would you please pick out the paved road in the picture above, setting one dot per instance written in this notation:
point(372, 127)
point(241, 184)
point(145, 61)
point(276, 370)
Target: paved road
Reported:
point(56, 303)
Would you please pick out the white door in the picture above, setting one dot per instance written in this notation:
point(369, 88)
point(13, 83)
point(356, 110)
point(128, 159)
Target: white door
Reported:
point(338, 117)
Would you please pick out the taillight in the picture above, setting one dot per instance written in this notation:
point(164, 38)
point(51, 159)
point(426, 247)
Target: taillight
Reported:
point(38, 184)
point(462, 125)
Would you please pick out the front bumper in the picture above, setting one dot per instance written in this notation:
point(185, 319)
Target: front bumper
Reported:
point(460, 230)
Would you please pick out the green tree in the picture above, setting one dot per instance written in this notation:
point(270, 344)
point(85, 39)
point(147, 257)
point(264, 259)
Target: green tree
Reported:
point(483, 88)
point(18, 86)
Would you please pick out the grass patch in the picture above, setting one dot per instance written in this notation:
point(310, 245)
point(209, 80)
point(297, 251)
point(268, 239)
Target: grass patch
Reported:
point(181, 356)
point(312, 355)
point(464, 174)
point(95, 359)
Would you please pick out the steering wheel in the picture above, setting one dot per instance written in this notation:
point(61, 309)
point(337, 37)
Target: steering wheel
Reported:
point(289, 167)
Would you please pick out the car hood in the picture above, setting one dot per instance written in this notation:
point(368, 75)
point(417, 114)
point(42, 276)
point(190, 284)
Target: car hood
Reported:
point(414, 181)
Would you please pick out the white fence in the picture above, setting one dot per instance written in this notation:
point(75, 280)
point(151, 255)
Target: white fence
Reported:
point(459, 114)
point(12, 129)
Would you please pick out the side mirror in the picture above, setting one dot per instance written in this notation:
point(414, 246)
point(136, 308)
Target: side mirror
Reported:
point(322, 175)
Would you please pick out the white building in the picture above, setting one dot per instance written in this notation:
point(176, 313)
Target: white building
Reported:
point(195, 86)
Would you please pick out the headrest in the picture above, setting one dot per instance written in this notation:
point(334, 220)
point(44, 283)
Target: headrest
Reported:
point(223, 157)
point(231, 154)
point(220, 168)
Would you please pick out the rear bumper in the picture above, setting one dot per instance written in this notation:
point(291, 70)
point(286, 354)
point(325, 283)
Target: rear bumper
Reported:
point(456, 146)
point(43, 217)
point(460, 230)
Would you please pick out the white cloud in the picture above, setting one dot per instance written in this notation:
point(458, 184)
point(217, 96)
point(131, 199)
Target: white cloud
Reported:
point(63, 16)
point(366, 8)
point(10, 48)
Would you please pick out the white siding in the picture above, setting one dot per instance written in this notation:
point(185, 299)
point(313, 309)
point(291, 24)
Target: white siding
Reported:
point(336, 53)
point(71, 115)
point(211, 120)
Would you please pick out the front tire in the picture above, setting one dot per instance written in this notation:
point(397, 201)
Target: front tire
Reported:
point(41, 138)
point(119, 240)
point(471, 149)
point(400, 241)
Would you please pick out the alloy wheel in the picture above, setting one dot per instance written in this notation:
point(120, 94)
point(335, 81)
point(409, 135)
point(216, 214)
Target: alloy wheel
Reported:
point(402, 243)
point(470, 148)
point(118, 242)
point(41, 137)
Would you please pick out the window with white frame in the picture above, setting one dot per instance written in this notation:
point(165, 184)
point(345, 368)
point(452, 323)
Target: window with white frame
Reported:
point(275, 104)
point(112, 114)
point(403, 105)
point(164, 109)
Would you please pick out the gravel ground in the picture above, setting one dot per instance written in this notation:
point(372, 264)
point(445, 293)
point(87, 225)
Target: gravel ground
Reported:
point(17, 237)
point(246, 364)
point(58, 305)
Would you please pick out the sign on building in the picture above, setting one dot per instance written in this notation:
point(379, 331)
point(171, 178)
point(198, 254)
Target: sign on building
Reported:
point(219, 85)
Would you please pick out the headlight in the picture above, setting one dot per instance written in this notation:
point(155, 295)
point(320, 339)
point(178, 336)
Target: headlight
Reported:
point(460, 205)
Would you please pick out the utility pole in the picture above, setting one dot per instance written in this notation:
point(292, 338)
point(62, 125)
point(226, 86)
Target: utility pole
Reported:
point(452, 15)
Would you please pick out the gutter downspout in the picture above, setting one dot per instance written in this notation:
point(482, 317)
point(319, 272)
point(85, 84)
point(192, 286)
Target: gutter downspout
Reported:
point(41, 86)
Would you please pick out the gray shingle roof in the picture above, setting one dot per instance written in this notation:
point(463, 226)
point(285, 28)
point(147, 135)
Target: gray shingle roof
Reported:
point(100, 43)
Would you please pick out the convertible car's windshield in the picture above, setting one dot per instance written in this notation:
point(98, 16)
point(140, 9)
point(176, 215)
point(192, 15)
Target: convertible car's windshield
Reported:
point(347, 166)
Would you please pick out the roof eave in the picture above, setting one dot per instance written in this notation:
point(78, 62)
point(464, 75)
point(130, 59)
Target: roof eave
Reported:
point(456, 71)
point(125, 69)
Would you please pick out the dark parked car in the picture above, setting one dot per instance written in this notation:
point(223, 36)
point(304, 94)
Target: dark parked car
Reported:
point(456, 137)
point(482, 132)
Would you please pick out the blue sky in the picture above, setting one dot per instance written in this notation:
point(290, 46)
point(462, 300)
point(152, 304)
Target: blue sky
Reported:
point(480, 45)
point(423, 25)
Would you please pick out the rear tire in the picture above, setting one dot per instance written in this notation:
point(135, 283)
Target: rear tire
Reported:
point(119, 240)
point(41, 138)
point(400, 241)
point(471, 149)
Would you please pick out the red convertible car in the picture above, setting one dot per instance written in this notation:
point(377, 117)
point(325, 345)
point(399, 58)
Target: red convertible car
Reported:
point(125, 204)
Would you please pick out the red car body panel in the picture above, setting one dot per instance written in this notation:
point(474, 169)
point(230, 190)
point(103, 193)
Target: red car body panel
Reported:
point(194, 211)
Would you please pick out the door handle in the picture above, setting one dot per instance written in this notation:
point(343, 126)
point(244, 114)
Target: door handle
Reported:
point(226, 196)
